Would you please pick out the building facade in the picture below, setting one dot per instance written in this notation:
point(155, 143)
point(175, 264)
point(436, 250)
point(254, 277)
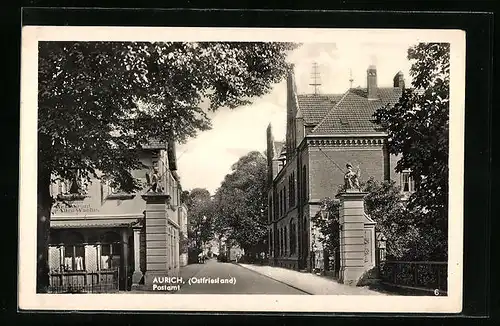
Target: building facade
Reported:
point(183, 221)
point(98, 233)
point(324, 132)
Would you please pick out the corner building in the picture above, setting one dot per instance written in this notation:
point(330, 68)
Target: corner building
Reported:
point(323, 133)
point(98, 238)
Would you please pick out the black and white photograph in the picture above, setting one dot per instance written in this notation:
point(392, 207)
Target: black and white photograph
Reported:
point(293, 169)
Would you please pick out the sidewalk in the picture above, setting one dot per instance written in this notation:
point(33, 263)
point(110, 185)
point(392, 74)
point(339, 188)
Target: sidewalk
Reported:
point(308, 282)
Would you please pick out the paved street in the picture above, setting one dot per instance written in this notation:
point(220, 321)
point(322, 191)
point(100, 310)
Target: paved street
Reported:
point(247, 281)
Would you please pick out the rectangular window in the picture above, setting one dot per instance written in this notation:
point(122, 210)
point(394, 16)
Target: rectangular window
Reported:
point(292, 238)
point(279, 203)
point(291, 190)
point(284, 201)
point(282, 208)
point(269, 241)
point(304, 183)
point(279, 241)
point(276, 207)
point(110, 256)
point(74, 257)
point(407, 184)
point(78, 185)
point(286, 240)
point(282, 250)
point(270, 209)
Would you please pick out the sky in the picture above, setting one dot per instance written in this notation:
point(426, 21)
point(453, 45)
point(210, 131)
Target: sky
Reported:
point(205, 160)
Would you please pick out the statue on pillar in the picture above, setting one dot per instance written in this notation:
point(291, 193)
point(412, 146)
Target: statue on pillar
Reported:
point(153, 180)
point(351, 179)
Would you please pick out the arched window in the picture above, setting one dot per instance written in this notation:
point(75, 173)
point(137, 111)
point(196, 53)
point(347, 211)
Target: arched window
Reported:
point(285, 242)
point(292, 238)
point(281, 241)
point(74, 251)
point(305, 241)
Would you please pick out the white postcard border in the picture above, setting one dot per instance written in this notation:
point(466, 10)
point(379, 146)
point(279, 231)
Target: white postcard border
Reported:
point(29, 300)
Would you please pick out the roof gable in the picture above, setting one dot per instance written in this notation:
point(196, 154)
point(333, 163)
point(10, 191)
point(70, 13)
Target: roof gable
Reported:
point(353, 113)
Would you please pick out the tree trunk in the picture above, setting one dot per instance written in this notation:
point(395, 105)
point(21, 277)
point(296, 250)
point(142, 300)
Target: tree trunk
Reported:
point(44, 206)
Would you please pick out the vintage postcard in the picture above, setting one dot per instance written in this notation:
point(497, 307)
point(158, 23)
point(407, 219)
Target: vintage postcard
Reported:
point(241, 169)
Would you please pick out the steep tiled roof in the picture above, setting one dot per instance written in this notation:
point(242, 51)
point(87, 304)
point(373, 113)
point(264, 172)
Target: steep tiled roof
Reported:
point(354, 112)
point(315, 106)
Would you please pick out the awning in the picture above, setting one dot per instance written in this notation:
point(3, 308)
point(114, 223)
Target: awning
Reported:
point(83, 224)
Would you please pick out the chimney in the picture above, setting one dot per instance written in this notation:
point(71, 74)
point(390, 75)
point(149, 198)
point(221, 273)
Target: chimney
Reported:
point(399, 80)
point(371, 82)
point(270, 153)
point(290, 80)
point(290, 105)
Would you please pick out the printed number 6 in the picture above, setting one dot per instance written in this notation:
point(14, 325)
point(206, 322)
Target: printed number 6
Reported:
point(436, 292)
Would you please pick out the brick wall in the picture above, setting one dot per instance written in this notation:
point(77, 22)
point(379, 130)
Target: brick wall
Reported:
point(325, 177)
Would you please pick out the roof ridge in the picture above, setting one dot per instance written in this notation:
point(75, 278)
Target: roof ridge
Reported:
point(321, 94)
point(328, 113)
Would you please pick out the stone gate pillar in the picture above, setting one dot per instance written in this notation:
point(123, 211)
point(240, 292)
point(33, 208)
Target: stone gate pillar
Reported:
point(156, 236)
point(137, 275)
point(352, 236)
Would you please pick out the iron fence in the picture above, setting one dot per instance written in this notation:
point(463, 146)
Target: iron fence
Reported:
point(418, 274)
point(84, 281)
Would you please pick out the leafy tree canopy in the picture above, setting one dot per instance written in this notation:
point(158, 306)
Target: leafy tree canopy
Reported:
point(407, 239)
point(418, 130)
point(200, 216)
point(99, 100)
point(241, 202)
